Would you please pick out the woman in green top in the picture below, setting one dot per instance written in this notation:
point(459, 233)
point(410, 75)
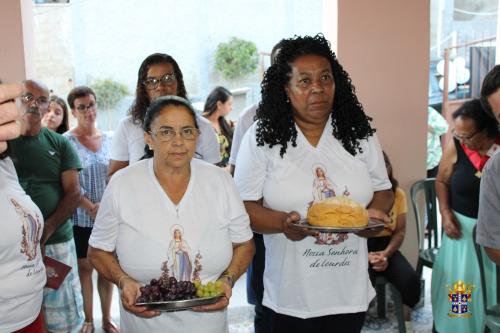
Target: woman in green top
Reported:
point(218, 105)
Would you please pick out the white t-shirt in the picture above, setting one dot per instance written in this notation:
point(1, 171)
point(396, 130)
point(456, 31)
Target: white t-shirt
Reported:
point(245, 120)
point(139, 220)
point(312, 277)
point(22, 272)
point(128, 142)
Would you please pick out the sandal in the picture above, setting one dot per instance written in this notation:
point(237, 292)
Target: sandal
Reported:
point(88, 327)
point(110, 327)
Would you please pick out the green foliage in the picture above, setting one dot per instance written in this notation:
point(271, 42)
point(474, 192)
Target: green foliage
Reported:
point(109, 92)
point(236, 58)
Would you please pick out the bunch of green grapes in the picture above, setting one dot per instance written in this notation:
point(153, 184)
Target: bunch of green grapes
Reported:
point(210, 289)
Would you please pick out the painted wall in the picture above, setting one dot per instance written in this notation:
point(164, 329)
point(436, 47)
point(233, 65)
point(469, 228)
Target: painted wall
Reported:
point(98, 39)
point(384, 46)
point(16, 40)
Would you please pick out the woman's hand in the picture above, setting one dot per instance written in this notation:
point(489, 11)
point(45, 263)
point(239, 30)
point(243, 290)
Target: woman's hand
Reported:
point(129, 294)
point(93, 210)
point(451, 226)
point(374, 214)
point(222, 303)
point(377, 214)
point(378, 261)
point(293, 232)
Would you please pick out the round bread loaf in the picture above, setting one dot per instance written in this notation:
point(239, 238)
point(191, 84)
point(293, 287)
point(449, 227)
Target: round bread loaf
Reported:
point(340, 212)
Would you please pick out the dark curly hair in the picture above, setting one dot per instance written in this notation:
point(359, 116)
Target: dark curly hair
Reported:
point(276, 125)
point(142, 102)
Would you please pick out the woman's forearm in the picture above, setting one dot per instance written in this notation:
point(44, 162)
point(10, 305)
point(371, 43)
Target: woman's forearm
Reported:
point(106, 264)
point(443, 196)
point(264, 220)
point(382, 200)
point(85, 203)
point(242, 257)
point(397, 239)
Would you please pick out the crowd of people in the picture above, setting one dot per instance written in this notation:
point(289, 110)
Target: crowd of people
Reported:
point(159, 198)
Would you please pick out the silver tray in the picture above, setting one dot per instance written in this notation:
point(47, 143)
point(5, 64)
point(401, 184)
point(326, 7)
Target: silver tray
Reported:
point(169, 306)
point(372, 225)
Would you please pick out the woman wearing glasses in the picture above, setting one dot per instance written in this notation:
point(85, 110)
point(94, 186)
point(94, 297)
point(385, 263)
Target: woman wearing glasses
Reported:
point(159, 75)
point(476, 137)
point(92, 146)
point(150, 202)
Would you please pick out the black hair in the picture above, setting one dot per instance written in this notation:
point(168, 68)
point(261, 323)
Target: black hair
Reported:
point(491, 83)
point(390, 172)
point(64, 127)
point(474, 110)
point(275, 118)
point(79, 92)
point(141, 102)
point(154, 110)
point(219, 94)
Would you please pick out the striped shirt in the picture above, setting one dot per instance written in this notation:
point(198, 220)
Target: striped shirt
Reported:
point(92, 176)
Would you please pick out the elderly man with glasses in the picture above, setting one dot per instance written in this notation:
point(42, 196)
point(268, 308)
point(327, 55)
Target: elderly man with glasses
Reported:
point(47, 166)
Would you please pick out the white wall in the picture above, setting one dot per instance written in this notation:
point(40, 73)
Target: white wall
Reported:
point(111, 38)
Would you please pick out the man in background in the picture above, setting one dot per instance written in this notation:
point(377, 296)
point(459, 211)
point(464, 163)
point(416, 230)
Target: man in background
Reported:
point(488, 223)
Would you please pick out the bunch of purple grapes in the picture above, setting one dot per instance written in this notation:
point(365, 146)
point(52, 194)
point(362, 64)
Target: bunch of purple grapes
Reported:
point(167, 289)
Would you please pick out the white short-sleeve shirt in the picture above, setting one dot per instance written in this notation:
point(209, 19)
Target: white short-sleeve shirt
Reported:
point(192, 239)
point(128, 142)
point(245, 120)
point(22, 272)
point(312, 277)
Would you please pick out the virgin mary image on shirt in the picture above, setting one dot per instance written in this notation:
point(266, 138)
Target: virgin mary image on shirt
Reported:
point(180, 264)
point(322, 185)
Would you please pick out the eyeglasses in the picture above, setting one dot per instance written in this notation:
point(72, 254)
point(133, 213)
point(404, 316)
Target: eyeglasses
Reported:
point(40, 101)
point(167, 134)
point(85, 108)
point(152, 82)
point(463, 137)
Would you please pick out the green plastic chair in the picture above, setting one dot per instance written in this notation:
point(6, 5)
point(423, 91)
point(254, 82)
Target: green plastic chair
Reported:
point(380, 286)
point(492, 316)
point(428, 245)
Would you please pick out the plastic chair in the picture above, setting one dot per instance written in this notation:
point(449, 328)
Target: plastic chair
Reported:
point(380, 286)
point(492, 315)
point(426, 254)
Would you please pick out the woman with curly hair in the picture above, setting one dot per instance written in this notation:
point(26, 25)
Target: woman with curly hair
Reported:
point(159, 75)
point(309, 115)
